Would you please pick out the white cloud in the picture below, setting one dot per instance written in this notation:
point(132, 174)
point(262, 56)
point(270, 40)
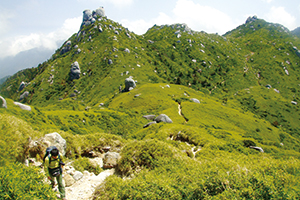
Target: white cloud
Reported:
point(120, 3)
point(12, 46)
point(195, 15)
point(202, 18)
point(5, 17)
point(140, 26)
point(281, 16)
point(117, 3)
point(268, 1)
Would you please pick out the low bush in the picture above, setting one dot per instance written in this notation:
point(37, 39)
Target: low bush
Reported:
point(21, 182)
point(227, 176)
point(143, 154)
point(82, 164)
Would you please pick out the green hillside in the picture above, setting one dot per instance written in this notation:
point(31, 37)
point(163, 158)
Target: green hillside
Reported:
point(247, 85)
point(296, 32)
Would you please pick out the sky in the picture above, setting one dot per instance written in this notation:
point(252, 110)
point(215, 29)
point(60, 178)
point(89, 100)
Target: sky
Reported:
point(43, 25)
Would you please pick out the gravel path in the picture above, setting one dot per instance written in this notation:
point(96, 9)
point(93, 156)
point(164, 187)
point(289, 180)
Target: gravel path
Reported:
point(85, 187)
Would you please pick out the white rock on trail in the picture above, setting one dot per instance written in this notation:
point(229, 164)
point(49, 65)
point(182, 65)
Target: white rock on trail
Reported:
point(85, 187)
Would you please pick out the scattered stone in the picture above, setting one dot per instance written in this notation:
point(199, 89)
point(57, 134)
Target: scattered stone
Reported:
point(75, 71)
point(22, 86)
point(298, 53)
point(286, 71)
point(257, 148)
point(106, 148)
point(129, 84)
point(110, 62)
point(77, 175)
point(251, 19)
point(24, 95)
point(177, 32)
point(149, 124)
point(163, 118)
point(100, 29)
point(78, 51)
point(110, 160)
point(66, 47)
point(69, 180)
point(149, 117)
point(23, 106)
point(294, 102)
point(55, 139)
point(100, 12)
point(87, 108)
point(97, 161)
point(268, 86)
point(195, 100)
point(89, 17)
point(4, 104)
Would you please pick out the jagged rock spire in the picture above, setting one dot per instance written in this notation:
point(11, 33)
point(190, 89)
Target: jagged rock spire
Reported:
point(251, 19)
point(90, 17)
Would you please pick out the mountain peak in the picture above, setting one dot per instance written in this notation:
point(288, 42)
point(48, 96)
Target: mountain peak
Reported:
point(251, 19)
point(90, 16)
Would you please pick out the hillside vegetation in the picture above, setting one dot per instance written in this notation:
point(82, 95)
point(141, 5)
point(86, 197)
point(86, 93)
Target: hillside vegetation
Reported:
point(246, 83)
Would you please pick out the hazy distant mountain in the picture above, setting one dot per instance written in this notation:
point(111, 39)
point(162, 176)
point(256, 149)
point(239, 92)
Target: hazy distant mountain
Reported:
point(296, 32)
point(2, 80)
point(25, 59)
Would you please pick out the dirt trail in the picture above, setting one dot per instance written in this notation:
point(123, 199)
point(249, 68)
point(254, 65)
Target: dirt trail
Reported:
point(179, 112)
point(85, 187)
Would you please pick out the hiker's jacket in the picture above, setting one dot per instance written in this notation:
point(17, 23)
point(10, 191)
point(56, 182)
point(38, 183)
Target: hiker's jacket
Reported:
point(53, 164)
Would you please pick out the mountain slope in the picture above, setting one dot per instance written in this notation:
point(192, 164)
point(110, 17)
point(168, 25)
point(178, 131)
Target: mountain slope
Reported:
point(296, 32)
point(240, 66)
point(217, 90)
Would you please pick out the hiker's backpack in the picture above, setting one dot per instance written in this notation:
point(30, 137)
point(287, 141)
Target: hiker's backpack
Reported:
point(48, 150)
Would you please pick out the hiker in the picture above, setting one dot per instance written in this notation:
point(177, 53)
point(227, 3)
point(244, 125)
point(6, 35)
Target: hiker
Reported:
point(53, 163)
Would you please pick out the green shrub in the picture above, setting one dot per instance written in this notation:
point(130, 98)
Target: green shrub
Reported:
point(21, 182)
point(227, 176)
point(81, 145)
point(82, 164)
point(140, 154)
